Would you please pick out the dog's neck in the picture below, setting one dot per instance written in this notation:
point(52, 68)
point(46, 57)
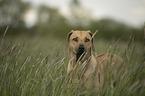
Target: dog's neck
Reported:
point(88, 63)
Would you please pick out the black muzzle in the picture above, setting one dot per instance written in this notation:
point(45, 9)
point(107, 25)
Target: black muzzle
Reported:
point(80, 52)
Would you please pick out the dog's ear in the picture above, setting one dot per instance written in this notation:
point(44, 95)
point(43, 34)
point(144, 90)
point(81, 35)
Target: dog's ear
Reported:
point(67, 39)
point(92, 40)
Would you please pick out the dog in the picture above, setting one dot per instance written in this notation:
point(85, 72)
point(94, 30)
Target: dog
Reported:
point(81, 47)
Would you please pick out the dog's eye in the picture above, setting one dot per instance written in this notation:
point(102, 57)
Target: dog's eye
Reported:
point(75, 39)
point(87, 40)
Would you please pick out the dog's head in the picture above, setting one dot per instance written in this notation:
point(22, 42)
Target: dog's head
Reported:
point(80, 42)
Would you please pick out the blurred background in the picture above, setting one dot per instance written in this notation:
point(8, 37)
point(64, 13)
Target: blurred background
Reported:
point(115, 19)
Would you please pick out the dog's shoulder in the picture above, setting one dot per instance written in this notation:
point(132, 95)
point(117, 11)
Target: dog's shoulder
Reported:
point(101, 56)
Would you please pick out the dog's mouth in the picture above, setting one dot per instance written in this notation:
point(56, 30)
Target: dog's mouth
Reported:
point(80, 52)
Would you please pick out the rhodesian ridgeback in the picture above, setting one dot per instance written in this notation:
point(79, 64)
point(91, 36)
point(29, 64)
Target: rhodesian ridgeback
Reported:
point(81, 47)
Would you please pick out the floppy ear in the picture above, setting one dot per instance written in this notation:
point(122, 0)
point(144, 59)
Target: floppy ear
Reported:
point(67, 39)
point(92, 40)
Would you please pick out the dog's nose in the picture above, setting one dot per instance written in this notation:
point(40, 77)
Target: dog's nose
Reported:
point(81, 47)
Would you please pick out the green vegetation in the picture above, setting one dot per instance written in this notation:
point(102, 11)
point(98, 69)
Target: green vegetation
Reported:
point(30, 67)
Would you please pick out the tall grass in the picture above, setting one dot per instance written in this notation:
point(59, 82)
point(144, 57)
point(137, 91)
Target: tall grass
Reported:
point(38, 68)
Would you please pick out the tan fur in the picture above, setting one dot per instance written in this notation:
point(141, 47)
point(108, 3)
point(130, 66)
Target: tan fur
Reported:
point(91, 63)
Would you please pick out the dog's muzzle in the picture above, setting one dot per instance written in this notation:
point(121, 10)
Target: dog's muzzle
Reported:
point(80, 52)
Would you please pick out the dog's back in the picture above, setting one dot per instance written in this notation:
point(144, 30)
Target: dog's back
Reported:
point(109, 63)
point(108, 57)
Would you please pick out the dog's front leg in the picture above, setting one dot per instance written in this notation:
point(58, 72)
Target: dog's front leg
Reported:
point(69, 68)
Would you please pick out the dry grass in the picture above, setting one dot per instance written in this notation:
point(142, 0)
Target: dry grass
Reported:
point(38, 68)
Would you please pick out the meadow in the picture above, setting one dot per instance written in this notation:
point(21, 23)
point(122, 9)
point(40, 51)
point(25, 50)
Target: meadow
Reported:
point(38, 67)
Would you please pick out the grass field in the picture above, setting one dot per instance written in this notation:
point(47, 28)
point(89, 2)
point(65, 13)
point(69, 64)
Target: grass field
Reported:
point(37, 67)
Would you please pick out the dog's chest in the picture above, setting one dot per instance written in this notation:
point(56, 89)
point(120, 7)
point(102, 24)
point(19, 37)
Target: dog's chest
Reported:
point(90, 67)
